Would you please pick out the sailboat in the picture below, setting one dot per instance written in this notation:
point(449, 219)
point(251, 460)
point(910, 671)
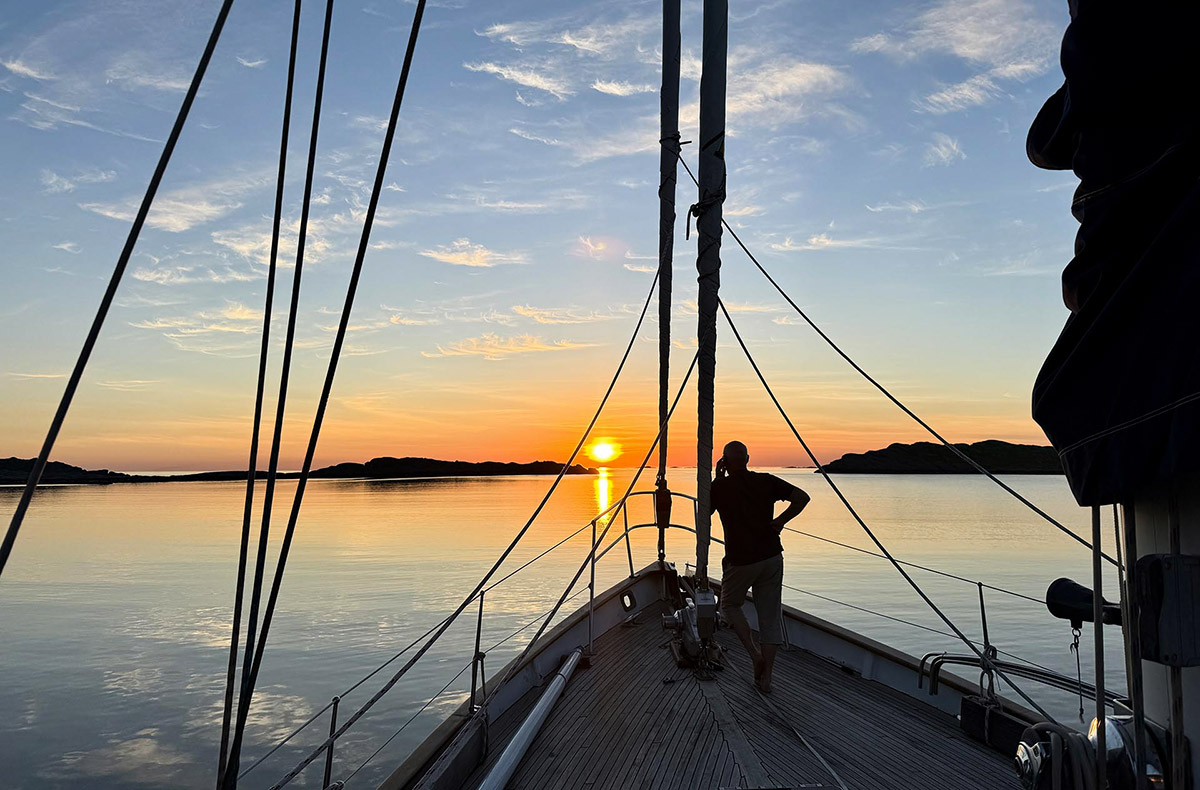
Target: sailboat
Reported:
point(642, 685)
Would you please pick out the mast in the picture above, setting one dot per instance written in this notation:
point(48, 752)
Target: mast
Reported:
point(707, 211)
point(667, 168)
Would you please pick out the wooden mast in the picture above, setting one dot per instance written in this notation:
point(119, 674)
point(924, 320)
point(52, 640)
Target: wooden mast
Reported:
point(707, 211)
point(667, 169)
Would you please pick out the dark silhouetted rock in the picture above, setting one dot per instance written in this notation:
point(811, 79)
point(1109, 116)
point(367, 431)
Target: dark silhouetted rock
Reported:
point(927, 458)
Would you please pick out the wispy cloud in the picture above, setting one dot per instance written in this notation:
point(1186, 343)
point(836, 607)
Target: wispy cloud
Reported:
point(942, 150)
point(619, 88)
point(67, 246)
point(257, 63)
point(591, 248)
point(226, 331)
point(561, 315)
point(252, 242)
point(604, 40)
point(186, 207)
point(54, 183)
point(493, 347)
point(519, 132)
point(524, 76)
point(35, 376)
point(128, 385)
point(461, 252)
point(823, 241)
point(134, 70)
point(1008, 39)
point(27, 70)
point(187, 274)
point(977, 90)
point(1073, 184)
point(907, 206)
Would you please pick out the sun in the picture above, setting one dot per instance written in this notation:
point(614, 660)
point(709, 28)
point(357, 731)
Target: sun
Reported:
point(604, 450)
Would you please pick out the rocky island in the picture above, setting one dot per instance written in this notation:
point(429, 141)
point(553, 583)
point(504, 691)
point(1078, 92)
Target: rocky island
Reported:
point(15, 471)
point(927, 458)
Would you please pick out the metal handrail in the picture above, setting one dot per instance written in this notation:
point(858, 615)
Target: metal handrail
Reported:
point(620, 507)
point(936, 661)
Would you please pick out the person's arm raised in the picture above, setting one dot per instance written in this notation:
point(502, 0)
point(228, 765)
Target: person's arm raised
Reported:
point(797, 499)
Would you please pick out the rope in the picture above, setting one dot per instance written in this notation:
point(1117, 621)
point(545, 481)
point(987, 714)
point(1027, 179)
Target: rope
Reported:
point(829, 341)
point(799, 735)
point(251, 677)
point(228, 778)
point(89, 343)
point(599, 540)
point(878, 543)
point(285, 373)
point(252, 465)
point(909, 623)
point(441, 629)
point(375, 754)
point(947, 574)
point(410, 646)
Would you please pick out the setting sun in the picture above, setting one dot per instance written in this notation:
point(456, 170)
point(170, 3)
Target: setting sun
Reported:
point(604, 450)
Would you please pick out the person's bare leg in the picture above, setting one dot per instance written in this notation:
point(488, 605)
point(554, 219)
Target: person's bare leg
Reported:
point(742, 629)
point(768, 664)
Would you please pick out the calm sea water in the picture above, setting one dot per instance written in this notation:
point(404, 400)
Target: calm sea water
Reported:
point(115, 609)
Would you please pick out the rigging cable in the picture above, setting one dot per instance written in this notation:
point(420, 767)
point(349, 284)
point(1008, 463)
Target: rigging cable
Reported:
point(422, 709)
point(60, 416)
point(946, 574)
point(829, 341)
point(250, 676)
point(446, 624)
point(410, 646)
point(252, 466)
point(902, 621)
point(441, 629)
point(878, 543)
point(284, 379)
point(795, 731)
point(600, 539)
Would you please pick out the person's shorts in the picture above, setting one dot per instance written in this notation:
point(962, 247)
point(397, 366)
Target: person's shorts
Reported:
point(765, 578)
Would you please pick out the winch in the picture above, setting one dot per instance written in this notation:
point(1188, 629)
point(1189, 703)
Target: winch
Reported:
point(1047, 750)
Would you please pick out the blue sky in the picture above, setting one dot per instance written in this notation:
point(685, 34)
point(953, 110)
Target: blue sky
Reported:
point(876, 164)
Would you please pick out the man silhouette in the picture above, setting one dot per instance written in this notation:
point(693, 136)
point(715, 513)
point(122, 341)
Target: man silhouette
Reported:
point(753, 553)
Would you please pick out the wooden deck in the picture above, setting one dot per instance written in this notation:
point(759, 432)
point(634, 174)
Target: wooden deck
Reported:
point(635, 720)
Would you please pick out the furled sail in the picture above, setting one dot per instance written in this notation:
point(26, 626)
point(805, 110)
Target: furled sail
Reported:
point(1119, 394)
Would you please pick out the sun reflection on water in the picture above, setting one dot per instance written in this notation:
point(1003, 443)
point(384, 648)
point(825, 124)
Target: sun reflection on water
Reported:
point(603, 494)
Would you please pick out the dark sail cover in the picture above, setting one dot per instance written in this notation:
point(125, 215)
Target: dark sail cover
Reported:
point(1119, 394)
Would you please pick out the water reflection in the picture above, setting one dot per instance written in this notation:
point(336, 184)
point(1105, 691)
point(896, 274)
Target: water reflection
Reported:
point(603, 494)
point(116, 615)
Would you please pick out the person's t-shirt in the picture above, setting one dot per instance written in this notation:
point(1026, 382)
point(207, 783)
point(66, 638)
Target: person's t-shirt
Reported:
point(746, 503)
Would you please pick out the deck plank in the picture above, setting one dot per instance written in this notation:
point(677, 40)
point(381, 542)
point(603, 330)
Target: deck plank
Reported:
point(618, 725)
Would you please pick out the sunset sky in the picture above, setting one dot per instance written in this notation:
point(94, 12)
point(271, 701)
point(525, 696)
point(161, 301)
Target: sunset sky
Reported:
point(876, 165)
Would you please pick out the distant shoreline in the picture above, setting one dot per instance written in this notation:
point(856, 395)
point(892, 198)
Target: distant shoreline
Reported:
point(927, 458)
point(15, 471)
